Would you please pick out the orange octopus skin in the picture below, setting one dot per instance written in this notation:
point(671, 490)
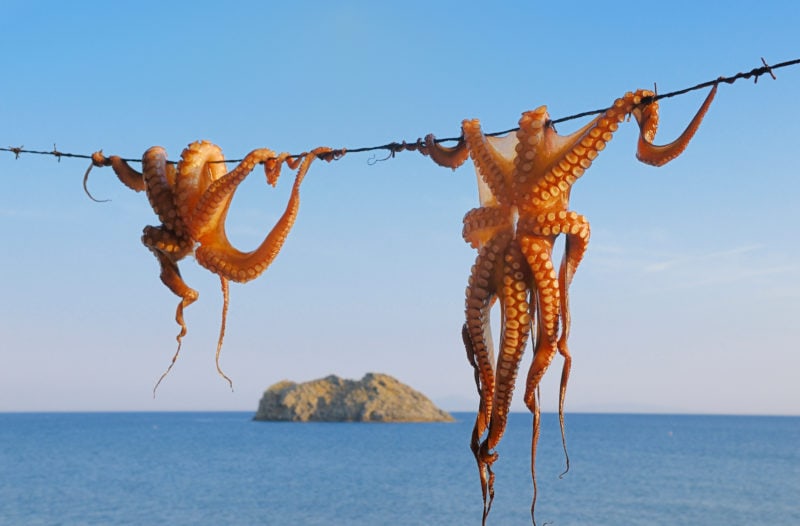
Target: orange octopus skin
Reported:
point(192, 202)
point(524, 183)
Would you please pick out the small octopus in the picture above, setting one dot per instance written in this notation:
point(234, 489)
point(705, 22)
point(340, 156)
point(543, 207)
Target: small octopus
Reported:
point(192, 200)
point(524, 183)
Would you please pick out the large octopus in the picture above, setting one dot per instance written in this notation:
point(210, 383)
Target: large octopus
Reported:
point(524, 183)
point(192, 201)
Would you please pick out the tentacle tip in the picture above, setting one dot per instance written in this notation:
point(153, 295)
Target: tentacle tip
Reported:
point(272, 170)
point(161, 378)
point(86, 180)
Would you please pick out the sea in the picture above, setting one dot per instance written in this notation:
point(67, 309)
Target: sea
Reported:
point(223, 468)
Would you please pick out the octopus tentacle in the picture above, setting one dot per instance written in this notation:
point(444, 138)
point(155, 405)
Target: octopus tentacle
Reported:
point(159, 188)
point(201, 164)
point(494, 165)
point(576, 230)
point(449, 157)
point(483, 223)
point(484, 282)
point(647, 118)
point(127, 175)
point(215, 251)
point(225, 303)
point(528, 160)
point(485, 279)
point(534, 407)
point(169, 249)
point(210, 210)
point(481, 421)
point(537, 251)
point(516, 324)
point(515, 329)
point(571, 155)
point(171, 277)
point(575, 246)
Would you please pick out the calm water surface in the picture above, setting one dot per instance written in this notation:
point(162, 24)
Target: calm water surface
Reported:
point(223, 468)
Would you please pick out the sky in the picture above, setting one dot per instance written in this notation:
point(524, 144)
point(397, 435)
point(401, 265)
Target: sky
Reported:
point(687, 300)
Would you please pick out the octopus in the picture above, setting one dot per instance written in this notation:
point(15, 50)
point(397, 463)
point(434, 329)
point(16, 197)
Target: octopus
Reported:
point(192, 201)
point(524, 184)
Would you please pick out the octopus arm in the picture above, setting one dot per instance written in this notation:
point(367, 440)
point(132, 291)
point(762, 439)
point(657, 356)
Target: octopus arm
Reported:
point(449, 157)
point(127, 175)
point(564, 158)
point(218, 255)
point(538, 134)
point(483, 223)
point(481, 419)
point(157, 175)
point(211, 208)
point(171, 277)
point(493, 158)
point(515, 325)
point(538, 253)
point(482, 290)
point(201, 164)
point(647, 118)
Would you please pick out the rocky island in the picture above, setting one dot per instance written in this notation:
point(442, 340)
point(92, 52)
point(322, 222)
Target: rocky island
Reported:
point(374, 398)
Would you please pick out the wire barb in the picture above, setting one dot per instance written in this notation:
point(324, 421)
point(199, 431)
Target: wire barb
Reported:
point(16, 151)
point(769, 70)
point(56, 153)
point(419, 145)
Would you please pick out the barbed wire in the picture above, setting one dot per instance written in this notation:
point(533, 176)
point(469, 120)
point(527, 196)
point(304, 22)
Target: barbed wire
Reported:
point(396, 147)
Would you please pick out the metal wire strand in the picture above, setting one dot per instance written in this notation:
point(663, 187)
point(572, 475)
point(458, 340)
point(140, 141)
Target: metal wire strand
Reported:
point(396, 147)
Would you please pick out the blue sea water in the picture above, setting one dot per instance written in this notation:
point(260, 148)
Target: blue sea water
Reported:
point(223, 468)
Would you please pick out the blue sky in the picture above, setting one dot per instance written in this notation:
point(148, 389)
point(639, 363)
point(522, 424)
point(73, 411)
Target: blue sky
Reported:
point(687, 300)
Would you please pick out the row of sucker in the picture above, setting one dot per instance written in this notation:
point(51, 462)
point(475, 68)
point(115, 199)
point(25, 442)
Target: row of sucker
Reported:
point(490, 164)
point(559, 178)
point(212, 206)
point(554, 223)
point(216, 253)
point(484, 283)
point(516, 310)
point(481, 421)
point(529, 135)
point(483, 223)
point(200, 165)
point(647, 117)
point(158, 179)
point(537, 252)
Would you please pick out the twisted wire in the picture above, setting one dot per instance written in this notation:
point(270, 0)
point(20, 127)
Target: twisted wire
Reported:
point(396, 147)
